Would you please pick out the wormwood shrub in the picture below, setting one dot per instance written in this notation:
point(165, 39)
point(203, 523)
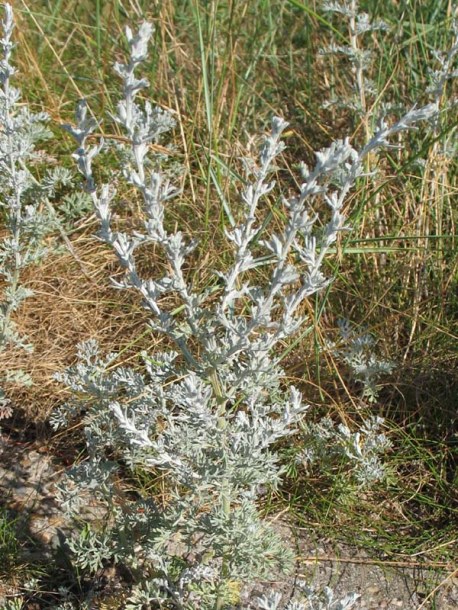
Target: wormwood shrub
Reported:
point(208, 413)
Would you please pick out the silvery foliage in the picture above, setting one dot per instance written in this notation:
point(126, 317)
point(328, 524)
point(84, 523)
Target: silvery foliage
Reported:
point(357, 351)
point(330, 447)
point(445, 72)
point(25, 216)
point(208, 414)
point(446, 69)
point(308, 598)
point(169, 421)
point(360, 57)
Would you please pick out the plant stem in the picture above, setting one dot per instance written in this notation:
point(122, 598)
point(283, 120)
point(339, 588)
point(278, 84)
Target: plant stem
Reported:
point(15, 218)
point(226, 496)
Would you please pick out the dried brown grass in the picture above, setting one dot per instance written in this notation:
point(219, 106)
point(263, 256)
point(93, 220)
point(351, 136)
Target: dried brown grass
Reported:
point(73, 301)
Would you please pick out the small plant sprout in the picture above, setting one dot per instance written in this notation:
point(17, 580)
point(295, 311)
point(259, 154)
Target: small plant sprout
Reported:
point(209, 412)
point(357, 351)
point(332, 448)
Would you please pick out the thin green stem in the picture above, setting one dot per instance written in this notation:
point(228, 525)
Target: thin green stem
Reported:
point(226, 495)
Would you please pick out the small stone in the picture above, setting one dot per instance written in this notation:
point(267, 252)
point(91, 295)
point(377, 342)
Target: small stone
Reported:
point(372, 590)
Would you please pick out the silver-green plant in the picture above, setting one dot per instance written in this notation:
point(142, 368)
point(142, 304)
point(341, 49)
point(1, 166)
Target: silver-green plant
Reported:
point(357, 351)
point(26, 214)
point(308, 598)
point(363, 90)
point(357, 454)
point(208, 413)
point(446, 69)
